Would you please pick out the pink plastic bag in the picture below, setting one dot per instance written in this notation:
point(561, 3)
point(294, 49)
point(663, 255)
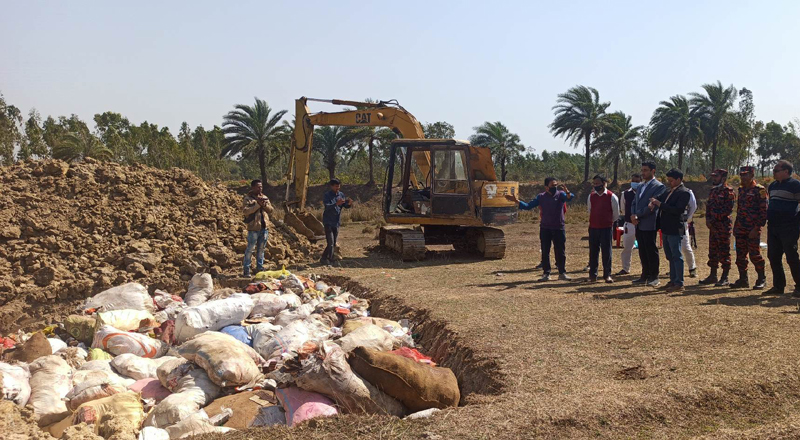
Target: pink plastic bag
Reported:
point(301, 405)
point(150, 388)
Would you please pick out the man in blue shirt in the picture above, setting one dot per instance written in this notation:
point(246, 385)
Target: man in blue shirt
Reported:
point(783, 228)
point(334, 201)
point(551, 229)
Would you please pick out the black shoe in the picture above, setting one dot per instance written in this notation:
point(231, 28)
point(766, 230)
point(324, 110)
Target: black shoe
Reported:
point(246, 272)
point(623, 272)
point(760, 283)
point(693, 273)
point(538, 266)
point(741, 283)
point(712, 279)
point(259, 269)
point(592, 279)
point(639, 281)
point(564, 277)
point(723, 282)
point(774, 290)
point(609, 280)
point(545, 277)
point(796, 292)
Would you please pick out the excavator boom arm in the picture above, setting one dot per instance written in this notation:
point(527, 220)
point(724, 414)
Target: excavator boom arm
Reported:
point(368, 115)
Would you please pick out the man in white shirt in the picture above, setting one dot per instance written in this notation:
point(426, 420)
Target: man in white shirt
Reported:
point(686, 243)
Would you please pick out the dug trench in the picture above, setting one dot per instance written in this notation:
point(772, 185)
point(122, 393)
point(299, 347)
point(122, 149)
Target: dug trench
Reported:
point(476, 374)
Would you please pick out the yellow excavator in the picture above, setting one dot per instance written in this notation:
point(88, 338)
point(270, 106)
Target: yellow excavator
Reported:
point(437, 191)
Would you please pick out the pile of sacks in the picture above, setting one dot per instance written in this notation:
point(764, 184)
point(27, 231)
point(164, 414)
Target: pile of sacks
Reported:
point(286, 350)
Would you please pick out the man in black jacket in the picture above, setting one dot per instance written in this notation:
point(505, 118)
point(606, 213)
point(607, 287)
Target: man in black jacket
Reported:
point(672, 221)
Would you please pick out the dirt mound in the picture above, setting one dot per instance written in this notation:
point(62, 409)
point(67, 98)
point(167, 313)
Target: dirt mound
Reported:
point(18, 424)
point(68, 231)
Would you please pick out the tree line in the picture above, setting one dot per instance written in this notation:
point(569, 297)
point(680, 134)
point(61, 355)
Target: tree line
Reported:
point(698, 133)
point(695, 132)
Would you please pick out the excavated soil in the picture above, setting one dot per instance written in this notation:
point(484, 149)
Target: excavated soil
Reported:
point(70, 230)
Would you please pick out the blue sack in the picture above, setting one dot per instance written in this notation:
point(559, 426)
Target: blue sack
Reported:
point(238, 332)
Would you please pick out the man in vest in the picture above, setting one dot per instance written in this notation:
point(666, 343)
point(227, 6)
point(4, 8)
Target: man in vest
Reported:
point(551, 229)
point(603, 206)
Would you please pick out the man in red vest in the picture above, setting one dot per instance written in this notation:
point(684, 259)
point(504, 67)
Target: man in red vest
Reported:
point(603, 208)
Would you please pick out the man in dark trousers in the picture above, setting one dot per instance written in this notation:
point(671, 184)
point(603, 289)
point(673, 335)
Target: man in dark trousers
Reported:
point(603, 207)
point(718, 219)
point(672, 222)
point(644, 219)
point(751, 216)
point(783, 228)
point(334, 201)
point(256, 209)
point(551, 229)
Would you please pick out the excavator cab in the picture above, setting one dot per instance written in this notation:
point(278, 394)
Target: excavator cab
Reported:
point(448, 188)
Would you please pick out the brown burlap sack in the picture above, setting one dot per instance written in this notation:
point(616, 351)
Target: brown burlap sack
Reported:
point(30, 350)
point(417, 386)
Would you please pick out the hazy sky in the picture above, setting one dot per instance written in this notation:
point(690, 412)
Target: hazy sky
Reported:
point(461, 62)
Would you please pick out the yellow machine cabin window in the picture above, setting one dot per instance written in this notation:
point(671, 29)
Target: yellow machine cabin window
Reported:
point(450, 172)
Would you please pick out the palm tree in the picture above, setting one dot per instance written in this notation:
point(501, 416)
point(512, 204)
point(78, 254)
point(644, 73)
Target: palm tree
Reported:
point(369, 135)
point(579, 117)
point(618, 139)
point(74, 146)
point(330, 141)
point(674, 123)
point(504, 144)
point(253, 131)
point(718, 120)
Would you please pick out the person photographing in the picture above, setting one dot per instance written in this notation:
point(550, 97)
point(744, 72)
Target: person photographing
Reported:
point(333, 200)
point(256, 209)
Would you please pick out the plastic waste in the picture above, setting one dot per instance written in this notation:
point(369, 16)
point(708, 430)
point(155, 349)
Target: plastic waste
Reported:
point(370, 336)
point(239, 333)
point(227, 361)
point(81, 327)
point(323, 368)
point(301, 405)
point(137, 367)
point(126, 320)
point(125, 405)
point(272, 274)
point(201, 286)
point(127, 296)
point(212, 316)
point(56, 344)
point(92, 390)
point(51, 380)
point(118, 342)
point(16, 383)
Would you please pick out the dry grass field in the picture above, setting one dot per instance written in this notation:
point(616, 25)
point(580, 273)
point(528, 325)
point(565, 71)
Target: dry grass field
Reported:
point(578, 360)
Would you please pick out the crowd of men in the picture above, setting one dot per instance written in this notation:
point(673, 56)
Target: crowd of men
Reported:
point(656, 211)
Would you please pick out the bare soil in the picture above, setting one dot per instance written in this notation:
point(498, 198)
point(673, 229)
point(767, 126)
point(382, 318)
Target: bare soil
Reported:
point(68, 231)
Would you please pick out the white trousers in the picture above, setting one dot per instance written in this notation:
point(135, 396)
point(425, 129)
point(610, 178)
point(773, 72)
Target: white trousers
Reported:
point(628, 239)
point(686, 248)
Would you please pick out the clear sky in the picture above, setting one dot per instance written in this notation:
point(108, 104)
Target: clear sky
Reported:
point(463, 62)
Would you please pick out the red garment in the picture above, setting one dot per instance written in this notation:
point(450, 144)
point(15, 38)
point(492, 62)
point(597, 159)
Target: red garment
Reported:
point(602, 215)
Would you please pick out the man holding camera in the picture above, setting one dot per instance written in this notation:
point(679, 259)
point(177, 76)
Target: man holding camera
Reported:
point(256, 208)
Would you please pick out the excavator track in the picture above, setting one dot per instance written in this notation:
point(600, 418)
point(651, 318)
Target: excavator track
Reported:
point(408, 243)
point(490, 242)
